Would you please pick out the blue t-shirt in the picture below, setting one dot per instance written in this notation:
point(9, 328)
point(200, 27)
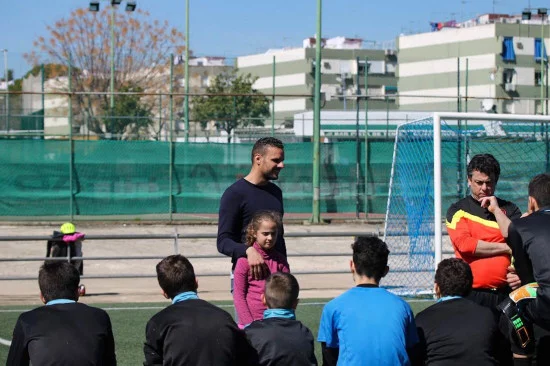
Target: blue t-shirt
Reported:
point(370, 326)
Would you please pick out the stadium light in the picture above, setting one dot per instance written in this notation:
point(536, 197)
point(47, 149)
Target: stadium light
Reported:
point(130, 6)
point(94, 6)
point(526, 14)
point(7, 96)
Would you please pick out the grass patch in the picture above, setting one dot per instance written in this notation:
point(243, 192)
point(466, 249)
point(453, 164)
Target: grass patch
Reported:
point(130, 319)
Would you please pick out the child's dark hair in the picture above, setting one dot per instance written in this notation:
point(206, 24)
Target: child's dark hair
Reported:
point(255, 222)
point(281, 291)
point(58, 280)
point(454, 277)
point(370, 256)
point(176, 275)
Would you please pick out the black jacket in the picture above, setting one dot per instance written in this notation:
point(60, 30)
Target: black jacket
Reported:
point(457, 332)
point(529, 238)
point(194, 332)
point(283, 342)
point(63, 334)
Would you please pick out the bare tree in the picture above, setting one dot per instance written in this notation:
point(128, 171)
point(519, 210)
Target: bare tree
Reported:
point(141, 59)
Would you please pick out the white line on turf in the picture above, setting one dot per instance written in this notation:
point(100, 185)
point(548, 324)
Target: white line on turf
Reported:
point(162, 307)
point(5, 342)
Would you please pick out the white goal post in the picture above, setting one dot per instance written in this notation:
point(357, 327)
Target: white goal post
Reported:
point(429, 173)
point(437, 118)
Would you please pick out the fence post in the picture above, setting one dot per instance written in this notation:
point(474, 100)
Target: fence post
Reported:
point(176, 241)
point(366, 138)
point(171, 150)
point(71, 143)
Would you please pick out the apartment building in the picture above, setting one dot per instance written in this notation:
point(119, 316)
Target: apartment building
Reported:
point(343, 63)
point(493, 59)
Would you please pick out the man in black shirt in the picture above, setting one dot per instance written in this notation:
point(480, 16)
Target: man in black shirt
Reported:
point(529, 238)
point(455, 330)
point(244, 198)
point(63, 332)
point(280, 339)
point(191, 331)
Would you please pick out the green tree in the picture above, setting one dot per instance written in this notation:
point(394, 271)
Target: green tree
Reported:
point(231, 102)
point(131, 119)
point(141, 59)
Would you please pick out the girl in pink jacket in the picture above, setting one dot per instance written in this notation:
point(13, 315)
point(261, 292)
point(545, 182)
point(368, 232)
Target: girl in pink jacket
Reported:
point(247, 292)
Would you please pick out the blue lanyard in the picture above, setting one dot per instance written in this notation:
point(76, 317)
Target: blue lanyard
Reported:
point(447, 298)
point(60, 301)
point(279, 313)
point(185, 296)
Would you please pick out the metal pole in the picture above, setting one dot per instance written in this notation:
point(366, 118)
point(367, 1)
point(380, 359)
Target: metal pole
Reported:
point(42, 79)
point(466, 91)
point(71, 155)
point(357, 144)
point(316, 214)
point(366, 139)
point(542, 66)
point(186, 135)
point(171, 149)
point(437, 189)
point(112, 102)
point(273, 102)
point(458, 107)
point(7, 97)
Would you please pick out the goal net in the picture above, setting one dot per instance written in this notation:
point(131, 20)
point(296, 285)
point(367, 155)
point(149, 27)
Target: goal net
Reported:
point(429, 174)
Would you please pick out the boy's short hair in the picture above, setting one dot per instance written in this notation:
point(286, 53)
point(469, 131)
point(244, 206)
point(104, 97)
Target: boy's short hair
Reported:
point(539, 189)
point(58, 280)
point(262, 144)
point(281, 291)
point(454, 277)
point(486, 164)
point(370, 256)
point(175, 275)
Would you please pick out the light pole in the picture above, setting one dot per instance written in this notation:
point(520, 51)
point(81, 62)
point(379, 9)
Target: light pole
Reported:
point(316, 214)
point(6, 97)
point(526, 15)
point(130, 6)
point(186, 70)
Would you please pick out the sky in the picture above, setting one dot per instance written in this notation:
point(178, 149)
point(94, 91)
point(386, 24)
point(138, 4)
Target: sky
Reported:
point(243, 27)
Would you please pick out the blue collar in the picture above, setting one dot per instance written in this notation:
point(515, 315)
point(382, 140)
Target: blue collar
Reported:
point(60, 301)
point(280, 313)
point(185, 296)
point(447, 298)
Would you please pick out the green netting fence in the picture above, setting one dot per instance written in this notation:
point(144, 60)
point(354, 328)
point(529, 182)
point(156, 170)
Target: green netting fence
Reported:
point(106, 177)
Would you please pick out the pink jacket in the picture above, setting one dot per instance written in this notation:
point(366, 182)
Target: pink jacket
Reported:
point(247, 291)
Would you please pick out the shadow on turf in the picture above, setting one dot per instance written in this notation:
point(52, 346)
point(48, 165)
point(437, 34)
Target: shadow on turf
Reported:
point(101, 294)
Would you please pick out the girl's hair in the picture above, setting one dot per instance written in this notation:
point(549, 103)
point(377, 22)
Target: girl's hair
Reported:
point(255, 222)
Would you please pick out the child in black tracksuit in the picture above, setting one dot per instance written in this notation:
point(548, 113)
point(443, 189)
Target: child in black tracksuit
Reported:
point(280, 339)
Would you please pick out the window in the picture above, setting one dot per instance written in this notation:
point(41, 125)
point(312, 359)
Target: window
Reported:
point(538, 78)
point(508, 53)
point(508, 76)
point(540, 49)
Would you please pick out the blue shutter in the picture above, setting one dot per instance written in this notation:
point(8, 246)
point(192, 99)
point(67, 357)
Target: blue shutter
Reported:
point(539, 49)
point(508, 53)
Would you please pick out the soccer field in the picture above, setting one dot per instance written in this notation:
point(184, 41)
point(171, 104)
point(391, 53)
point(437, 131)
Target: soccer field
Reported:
point(129, 321)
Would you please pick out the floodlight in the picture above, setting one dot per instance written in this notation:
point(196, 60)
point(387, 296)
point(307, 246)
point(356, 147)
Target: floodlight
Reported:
point(542, 11)
point(130, 6)
point(94, 6)
point(115, 2)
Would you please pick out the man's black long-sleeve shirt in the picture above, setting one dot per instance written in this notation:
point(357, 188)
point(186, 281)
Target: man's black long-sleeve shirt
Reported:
point(529, 238)
point(237, 206)
point(63, 334)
